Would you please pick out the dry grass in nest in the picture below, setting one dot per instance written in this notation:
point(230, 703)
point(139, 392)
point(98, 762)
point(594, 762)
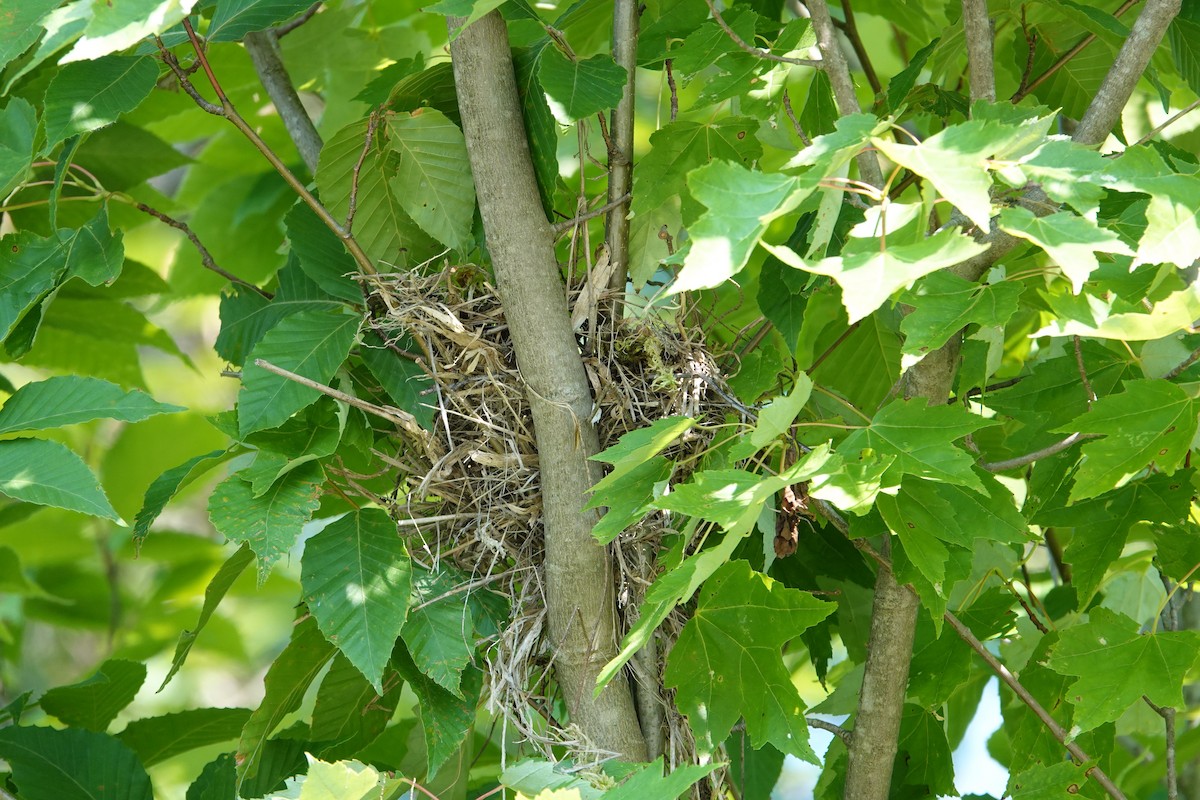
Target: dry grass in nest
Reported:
point(474, 477)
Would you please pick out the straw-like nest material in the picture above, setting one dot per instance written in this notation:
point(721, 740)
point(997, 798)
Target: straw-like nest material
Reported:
point(475, 476)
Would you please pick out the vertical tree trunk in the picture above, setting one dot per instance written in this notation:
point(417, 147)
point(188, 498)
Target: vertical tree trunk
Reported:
point(579, 587)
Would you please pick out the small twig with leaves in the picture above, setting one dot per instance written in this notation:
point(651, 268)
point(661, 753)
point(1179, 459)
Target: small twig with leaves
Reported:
point(766, 55)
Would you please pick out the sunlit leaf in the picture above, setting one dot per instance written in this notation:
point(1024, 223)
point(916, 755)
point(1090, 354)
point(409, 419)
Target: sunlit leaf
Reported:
point(47, 473)
point(85, 96)
point(71, 399)
point(577, 89)
point(433, 175)
point(233, 19)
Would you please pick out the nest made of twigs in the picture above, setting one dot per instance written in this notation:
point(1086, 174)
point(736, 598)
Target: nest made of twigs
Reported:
point(473, 493)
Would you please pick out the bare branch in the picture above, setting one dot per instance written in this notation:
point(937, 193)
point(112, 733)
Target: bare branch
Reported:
point(787, 107)
point(1106, 106)
point(283, 30)
point(674, 90)
point(1029, 458)
point(839, 78)
point(263, 47)
point(1178, 369)
point(620, 152)
point(1083, 376)
point(860, 50)
point(977, 27)
point(836, 730)
point(206, 258)
point(1178, 115)
point(566, 225)
point(766, 55)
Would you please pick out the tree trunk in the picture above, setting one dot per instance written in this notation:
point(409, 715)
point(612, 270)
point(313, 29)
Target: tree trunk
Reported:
point(580, 603)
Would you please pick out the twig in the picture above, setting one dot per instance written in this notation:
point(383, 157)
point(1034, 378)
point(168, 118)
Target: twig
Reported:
point(566, 225)
point(1178, 115)
point(185, 82)
point(1108, 102)
point(674, 90)
point(836, 343)
point(1010, 680)
point(263, 48)
point(395, 415)
point(851, 30)
point(227, 110)
point(1056, 554)
point(836, 730)
point(352, 205)
point(787, 107)
point(977, 28)
point(1168, 715)
point(283, 30)
point(1030, 53)
point(1178, 369)
point(1029, 458)
point(206, 258)
point(1083, 376)
point(766, 55)
point(1028, 86)
point(839, 79)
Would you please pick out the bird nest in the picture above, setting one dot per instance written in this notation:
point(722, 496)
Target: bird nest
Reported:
point(470, 492)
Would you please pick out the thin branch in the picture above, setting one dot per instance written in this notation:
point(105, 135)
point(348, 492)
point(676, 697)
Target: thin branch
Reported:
point(1029, 458)
point(839, 78)
point(620, 153)
point(352, 205)
point(836, 730)
point(977, 27)
point(1178, 115)
point(766, 55)
point(787, 107)
point(1028, 86)
point(227, 110)
point(1010, 680)
point(206, 258)
point(674, 90)
point(1108, 102)
point(283, 30)
point(864, 59)
point(1083, 376)
point(395, 415)
point(566, 225)
point(185, 82)
point(1178, 369)
point(263, 48)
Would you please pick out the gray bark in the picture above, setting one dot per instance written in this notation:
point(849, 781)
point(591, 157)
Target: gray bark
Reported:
point(263, 48)
point(579, 588)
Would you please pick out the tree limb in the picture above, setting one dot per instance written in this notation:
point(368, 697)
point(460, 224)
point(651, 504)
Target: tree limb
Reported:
point(1036, 455)
point(839, 78)
point(1105, 109)
point(580, 596)
point(766, 55)
point(977, 27)
point(263, 47)
point(620, 154)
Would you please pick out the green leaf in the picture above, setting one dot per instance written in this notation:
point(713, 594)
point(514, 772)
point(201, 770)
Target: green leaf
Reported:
point(156, 739)
point(943, 304)
point(117, 26)
point(85, 96)
point(924, 757)
point(530, 776)
point(870, 270)
point(1070, 240)
point(19, 27)
point(441, 636)
point(680, 147)
point(217, 781)
point(1116, 666)
point(312, 344)
point(18, 125)
point(123, 156)
point(403, 380)
point(638, 446)
point(650, 781)
point(628, 497)
point(29, 270)
point(778, 415)
point(445, 718)
point(741, 204)
point(954, 160)
point(1149, 422)
point(1184, 35)
point(903, 81)
point(356, 577)
point(322, 258)
point(433, 182)
point(73, 764)
point(576, 89)
point(921, 439)
point(348, 713)
point(47, 473)
point(1168, 316)
point(96, 701)
point(471, 9)
point(233, 19)
point(270, 523)
point(311, 435)
point(540, 126)
point(95, 253)
point(726, 663)
point(1063, 780)
point(1102, 525)
point(166, 486)
point(343, 780)
point(213, 594)
point(286, 682)
point(70, 399)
